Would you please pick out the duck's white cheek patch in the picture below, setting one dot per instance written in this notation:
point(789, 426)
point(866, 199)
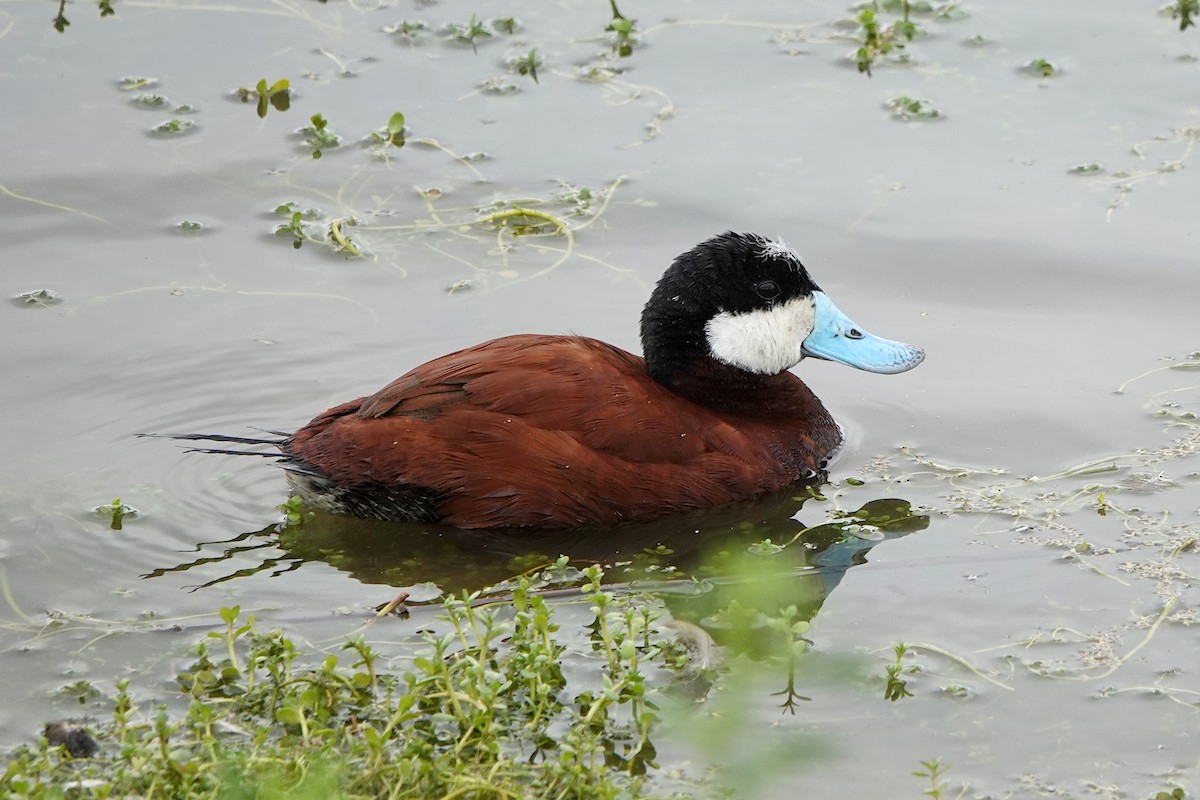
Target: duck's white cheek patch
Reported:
point(766, 341)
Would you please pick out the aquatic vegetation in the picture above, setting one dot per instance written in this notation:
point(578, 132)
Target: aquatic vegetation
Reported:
point(149, 101)
point(896, 687)
point(506, 25)
point(1182, 140)
point(60, 21)
point(1089, 168)
point(310, 225)
point(1186, 11)
point(878, 40)
point(483, 708)
point(135, 83)
point(1099, 516)
point(298, 226)
point(294, 512)
point(318, 136)
point(912, 108)
point(470, 32)
point(935, 770)
point(1041, 68)
point(410, 30)
point(173, 126)
point(39, 298)
point(393, 134)
point(527, 64)
point(117, 512)
point(277, 95)
point(623, 30)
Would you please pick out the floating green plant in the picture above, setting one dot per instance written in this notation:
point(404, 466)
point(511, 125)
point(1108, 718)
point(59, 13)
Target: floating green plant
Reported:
point(1186, 11)
point(506, 25)
point(912, 108)
point(935, 770)
point(527, 64)
point(1042, 68)
point(190, 226)
point(896, 687)
point(623, 30)
point(393, 134)
point(471, 32)
point(135, 83)
point(117, 512)
point(299, 226)
point(149, 101)
point(61, 23)
point(173, 127)
point(38, 297)
point(1090, 168)
point(409, 29)
point(338, 235)
point(294, 512)
point(278, 95)
point(318, 136)
point(879, 40)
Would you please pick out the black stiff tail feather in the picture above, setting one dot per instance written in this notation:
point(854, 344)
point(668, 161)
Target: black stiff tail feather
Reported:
point(221, 437)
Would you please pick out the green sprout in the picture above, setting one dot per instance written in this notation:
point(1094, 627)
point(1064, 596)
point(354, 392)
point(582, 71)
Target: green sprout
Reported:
point(528, 64)
point(393, 135)
point(878, 40)
point(294, 513)
point(935, 770)
point(911, 108)
point(61, 23)
point(507, 25)
point(277, 95)
point(150, 101)
point(318, 136)
point(296, 226)
point(624, 32)
point(135, 83)
point(1041, 67)
point(173, 127)
point(409, 29)
point(1185, 11)
point(116, 511)
point(896, 686)
point(468, 33)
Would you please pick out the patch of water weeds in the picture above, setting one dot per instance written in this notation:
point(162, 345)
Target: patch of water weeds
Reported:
point(1109, 517)
point(484, 709)
point(509, 698)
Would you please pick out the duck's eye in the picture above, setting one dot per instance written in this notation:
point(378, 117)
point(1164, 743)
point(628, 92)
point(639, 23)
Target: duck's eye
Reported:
point(854, 333)
point(767, 290)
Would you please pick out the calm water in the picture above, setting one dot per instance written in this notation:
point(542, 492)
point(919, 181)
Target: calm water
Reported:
point(1036, 293)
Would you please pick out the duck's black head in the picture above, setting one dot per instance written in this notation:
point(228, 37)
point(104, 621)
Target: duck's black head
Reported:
point(746, 301)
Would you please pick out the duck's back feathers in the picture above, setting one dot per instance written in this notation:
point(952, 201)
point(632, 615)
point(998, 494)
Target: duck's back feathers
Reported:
point(552, 430)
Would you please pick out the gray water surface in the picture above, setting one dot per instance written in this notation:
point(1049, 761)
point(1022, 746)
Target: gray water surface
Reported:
point(1055, 642)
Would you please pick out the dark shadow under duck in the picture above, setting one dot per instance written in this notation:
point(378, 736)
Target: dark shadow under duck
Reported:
point(564, 431)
